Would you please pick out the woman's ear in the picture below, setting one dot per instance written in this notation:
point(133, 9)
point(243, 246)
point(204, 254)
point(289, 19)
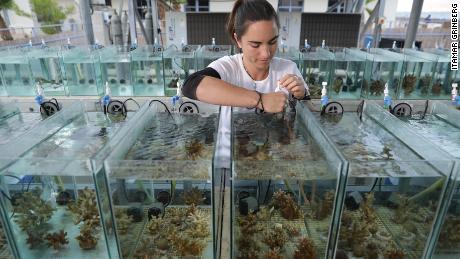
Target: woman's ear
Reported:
point(237, 41)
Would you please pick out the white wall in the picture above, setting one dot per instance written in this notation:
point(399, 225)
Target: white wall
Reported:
point(220, 6)
point(290, 28)
point(20, 21)
point(176, 28)
point(315, 6)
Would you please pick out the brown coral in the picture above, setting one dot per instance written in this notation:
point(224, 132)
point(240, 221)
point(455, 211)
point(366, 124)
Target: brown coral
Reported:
point(87, 239)
point(194, 149)
point(305, 249)
point(123, 221)
point(367, 209)
point(337, 85)
point(273, 254)
point(394, 254)
point(31, 211)
point(248, 224)
point(377, 87)
point(409, 84)
point(34, 239)
point(57, 239)
point(436, 88)
point(286, 205)
point(325, 207)
point(193, 196)
point(275, 237)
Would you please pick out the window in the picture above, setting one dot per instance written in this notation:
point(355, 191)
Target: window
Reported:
point(290, 5)
point(197, 6)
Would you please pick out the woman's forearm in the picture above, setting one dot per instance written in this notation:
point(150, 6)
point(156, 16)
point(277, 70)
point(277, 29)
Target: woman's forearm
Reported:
point(215, 91)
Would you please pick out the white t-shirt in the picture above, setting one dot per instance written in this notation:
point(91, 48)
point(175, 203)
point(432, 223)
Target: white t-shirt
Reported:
point(231, 70)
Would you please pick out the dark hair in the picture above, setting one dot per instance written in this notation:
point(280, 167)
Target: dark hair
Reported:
point(248, 11)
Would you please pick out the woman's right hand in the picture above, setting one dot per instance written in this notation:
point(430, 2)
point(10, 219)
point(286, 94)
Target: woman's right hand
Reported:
point(273, 102)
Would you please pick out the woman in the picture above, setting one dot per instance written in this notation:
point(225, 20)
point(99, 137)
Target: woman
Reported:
point(254, 78)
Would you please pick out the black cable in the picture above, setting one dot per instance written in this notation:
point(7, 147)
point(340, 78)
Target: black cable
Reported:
point(424, 112)
point(28, 185)
point(166, 107)
point(375, 183)
point(19, 179)
point(266, 192)
point(124, 109)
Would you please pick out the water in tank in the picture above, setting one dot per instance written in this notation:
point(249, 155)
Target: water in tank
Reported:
point(316, 69)
point(46, 66)
point(82, 71)
point(441, 125)
point(157, 186)
point(284, 187)
point(49, 203)
point(147, 70)
point(180, 62)
point(396, 183)
point(16, 75)
point(115, 64)
point(381, 68)
point(347, 71)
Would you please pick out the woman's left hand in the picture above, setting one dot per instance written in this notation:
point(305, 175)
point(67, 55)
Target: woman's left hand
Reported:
point(294, 84)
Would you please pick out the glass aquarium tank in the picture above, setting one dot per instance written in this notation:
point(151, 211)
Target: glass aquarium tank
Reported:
point(443, 77)
point(115, 63)
point(179, 64)
point(49, 204)
point(285, 186)
point(291, 53)
point(316, 68)
point(47, 69)
point(395, 186)
point(147, 71)
point(82, 71)
point(156, 186)
point(347, 72)
point(417, 76)
point(208, 53)
point(441, 125)
point(16, 76)
point(14, 123)
point(382, 67)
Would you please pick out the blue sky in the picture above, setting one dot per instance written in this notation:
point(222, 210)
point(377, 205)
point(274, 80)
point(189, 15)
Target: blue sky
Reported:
point(428, 5)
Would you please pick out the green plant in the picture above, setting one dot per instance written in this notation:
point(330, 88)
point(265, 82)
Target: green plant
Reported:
point(49, 12)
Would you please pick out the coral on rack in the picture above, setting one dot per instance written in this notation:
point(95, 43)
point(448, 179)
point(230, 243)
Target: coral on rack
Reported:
point(337, 84)
point(450, 233)
point(31, 212)
point(265, 213)
point(292, 230)
point(275, 237)
point(185, 245)
point(436, 89)
point(392, 251)
point(34, 239)
point(145, 250)
point(367, 210)
point(286, 205)
point(57, 239)
point(324, 208)
point(377, 87)
point(182, 232)
point(87, 238)
point(84, 210)
point(123, 221)
point(193, 196)
point(305, 249)
point(273, 254)
point(408, 84)
point(194, 149)
point(248, 224)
